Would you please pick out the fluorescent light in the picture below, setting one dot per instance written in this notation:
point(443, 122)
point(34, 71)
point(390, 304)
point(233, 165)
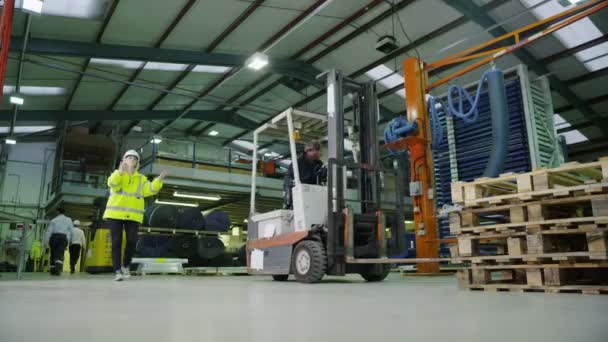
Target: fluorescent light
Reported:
point(11, 141)
point(86, 9)
point(17, 100)
point(26, 129)
point(572, 137)
point(177, 203)
point(244, 144)
point(203, 197)
point(211, 69)
point(386, 77)
point(122, 63)
point(257, 61)
point(158, 66)
point(245, 221)
point(214, 133)
point(35, 91)
point(165, 66)
point(32, 6)
point(156, 139)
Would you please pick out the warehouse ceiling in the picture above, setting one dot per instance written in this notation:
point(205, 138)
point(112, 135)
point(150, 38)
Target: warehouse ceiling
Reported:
point(175, 67)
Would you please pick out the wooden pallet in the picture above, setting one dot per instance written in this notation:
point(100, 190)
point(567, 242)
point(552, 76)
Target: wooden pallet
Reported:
point(517, 244)
point(590, 290)
point(548, 209)
point(535, 276)
point(557, 182)
point(577, 222)
point(546, 257)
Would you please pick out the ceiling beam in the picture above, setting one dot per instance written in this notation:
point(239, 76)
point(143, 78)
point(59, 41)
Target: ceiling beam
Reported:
point(587, 77)
point(114, 51)
point(482, 18)
point(569, 52)
point(216, 116)
point(317, 41)
point(588, 102)
point(182, 13)
point(410, 46)
point(285, 30)
point(20, 41)
point(212, 46)
point(587, 147)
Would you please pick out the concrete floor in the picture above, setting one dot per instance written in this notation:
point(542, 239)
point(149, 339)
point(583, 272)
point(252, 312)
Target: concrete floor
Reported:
point(182, 309)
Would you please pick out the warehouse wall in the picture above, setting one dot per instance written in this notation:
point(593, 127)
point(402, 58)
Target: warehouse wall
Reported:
point(25, 176)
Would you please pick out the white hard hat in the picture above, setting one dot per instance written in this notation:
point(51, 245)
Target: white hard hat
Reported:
point(76, 223)
point(131, 153)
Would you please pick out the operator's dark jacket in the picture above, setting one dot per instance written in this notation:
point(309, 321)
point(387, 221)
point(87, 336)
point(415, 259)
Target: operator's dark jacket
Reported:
point(310, 171)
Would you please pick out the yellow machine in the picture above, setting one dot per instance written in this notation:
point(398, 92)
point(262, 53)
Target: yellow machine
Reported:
point(99, 254)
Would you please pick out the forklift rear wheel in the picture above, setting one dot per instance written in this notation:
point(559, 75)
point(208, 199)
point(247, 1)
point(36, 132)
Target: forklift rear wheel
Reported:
point(309, 261)
point(280, 277)
point(373, 276)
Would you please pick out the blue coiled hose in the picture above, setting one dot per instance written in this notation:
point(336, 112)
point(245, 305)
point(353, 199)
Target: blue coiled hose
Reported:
point(473, 113)
point(399, 127)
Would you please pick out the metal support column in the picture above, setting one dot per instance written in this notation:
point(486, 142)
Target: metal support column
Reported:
point(335, 147)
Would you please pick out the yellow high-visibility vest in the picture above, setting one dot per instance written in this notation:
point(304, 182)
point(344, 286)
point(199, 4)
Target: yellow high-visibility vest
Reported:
point(127, 194)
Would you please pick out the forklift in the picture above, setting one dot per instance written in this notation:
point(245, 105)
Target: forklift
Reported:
point(336, 227)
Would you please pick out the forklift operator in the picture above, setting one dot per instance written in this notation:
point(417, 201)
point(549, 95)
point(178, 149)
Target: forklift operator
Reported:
point(310, 168)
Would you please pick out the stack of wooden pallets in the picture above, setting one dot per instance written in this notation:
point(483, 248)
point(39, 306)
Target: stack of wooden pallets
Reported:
point(544, 230)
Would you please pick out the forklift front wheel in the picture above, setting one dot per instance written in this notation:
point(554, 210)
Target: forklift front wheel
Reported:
point(373, 274)
point(309, 261)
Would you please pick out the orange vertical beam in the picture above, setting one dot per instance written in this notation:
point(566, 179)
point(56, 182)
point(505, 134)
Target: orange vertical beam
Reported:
point(421, 165)
point(6, 24)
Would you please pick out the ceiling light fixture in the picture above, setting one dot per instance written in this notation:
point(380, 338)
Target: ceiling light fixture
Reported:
point(10, 141)
point(197, 196)
point(181, 204)
point(257, 61)
point(32, 6)
point(157, 139)
point(17, 100)
point(214, 133)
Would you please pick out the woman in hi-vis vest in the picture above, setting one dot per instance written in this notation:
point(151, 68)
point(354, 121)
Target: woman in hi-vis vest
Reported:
point(125, 209)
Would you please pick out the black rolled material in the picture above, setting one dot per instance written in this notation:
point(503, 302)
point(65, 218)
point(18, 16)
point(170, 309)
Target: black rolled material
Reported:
point(210, 247)
point(152, 246)
point(184, 246)
point(161, 216)
point(217, 221)
point(242, 255)
point(191, 218)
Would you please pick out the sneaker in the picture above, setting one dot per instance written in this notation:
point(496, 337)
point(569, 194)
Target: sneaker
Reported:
point(118, 276)
point(125, 272)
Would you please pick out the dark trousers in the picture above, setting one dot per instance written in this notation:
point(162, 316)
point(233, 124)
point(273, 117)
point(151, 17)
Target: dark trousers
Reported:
point(58, 243)
point(116, 228)
point(74, 256)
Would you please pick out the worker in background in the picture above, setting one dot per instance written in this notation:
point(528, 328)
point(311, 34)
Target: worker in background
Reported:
point(58, 235)
point(77, 245)
point(310, 168)
point(125, 209)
